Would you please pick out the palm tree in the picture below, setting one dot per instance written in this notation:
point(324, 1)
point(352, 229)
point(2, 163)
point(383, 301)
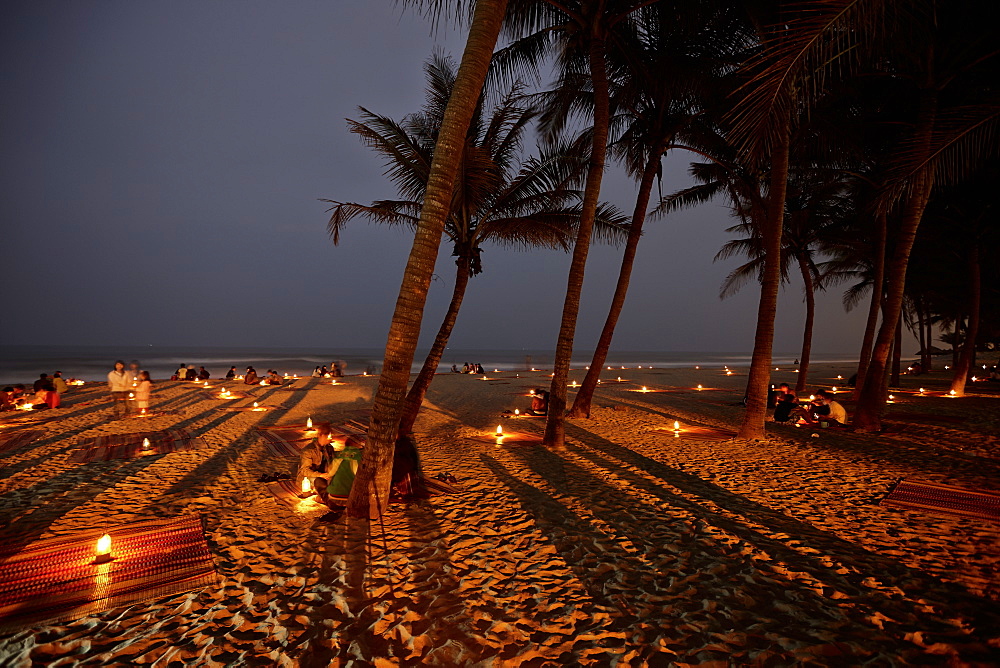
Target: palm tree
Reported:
point(660, 75)
point(498, 198)
point(578, 33)
point(370, 493)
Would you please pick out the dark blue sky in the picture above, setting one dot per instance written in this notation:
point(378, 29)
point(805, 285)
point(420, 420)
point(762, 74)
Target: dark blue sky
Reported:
point(162, 165)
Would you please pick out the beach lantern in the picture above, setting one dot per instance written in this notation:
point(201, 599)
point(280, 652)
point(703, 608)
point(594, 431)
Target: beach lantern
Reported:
point(573, 384)
point(619, 379)
point(677, 425)
point(309, 422)
point(644, 389)
point(517, 412)
point(833, 389)
point(812, 397)
point(699, 388)
point(306, 486)
point(255, 404)
point(953, 394)
point(892, 399)
point(142, 412)
point(729, 373)
point(946, 367)
point(145, 444)
point(839, 377)
point(102, 554)
point(974, 379)
point(131, 396)
point(499, 433)
point(697, 367)
point(921, 390)
point(496, 370)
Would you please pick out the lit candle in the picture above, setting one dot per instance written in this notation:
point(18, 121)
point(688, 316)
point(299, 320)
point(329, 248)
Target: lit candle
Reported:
point(309, 422)
point(131, 395)
point(306, 486)
point(142, 412)
point(892, 399)
point(145, 444)
point(833, 389)
point(573, 384)
point(255, 404)
point(206, 383)
point(946, 367)
point(531, 391)
point(609, 368)
point(263, 382)
point(729, 373)
point(974, 379)
point(697, 367)
point(699, 388)
point(499, 431)
point(777, 369)
point(619, 379)
point(103, 553)
point(953, 394)
point(839, 377)
point(333, 382)
point(921, 390)
point(812, 397)
point(677, 425)
point(644, 389)
point(517, 412)
point(496, 370)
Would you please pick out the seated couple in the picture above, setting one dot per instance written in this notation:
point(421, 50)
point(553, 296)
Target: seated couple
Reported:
point(331, 467)
point(824, 408)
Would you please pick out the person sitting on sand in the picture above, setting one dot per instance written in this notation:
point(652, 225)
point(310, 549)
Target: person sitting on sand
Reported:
point(539, 403)
point(251, 377)
point(786, 403)
point(43, 383)
point(181, 373)
point(142, 391)
point(330, 466)
point(273, 378)
point(59, 383)
point(824, 409)
point(203, 373)
point(7, 399)
point(231, 373)
point(192, 374)
point(317, 373)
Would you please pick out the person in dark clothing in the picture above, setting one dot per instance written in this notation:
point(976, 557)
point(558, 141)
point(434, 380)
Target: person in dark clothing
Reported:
point(231, 373)
point(783, 409)
point(44, 383)
point(203, 373)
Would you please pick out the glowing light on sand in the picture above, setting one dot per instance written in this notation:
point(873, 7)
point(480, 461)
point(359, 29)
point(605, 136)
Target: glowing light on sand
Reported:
point(309, 423)
point(952, 394)
point(263, 382)
point(499, 433)
point(145, 444)
point(517, 411)
point(677, 425)
point(496, 370)
point(306, 486)
point(131, 396)
point(922, 390)
point(534, 369)
point(206, 384)
point(699, 388)
point(839, 377)
point(777, 369)
point(102, 554)
point(729, 373)
point(833, 389)
point(946, 367)
point(812, 397)
point(609, 368)
point(333, 382)
point(619, 379)
point(573, 384)
point(484, 378)
point(142, 413)
point(892, 399)
point(644, 389)
point(697, 367)
point(531, 391)
point(365, 373)
point(974, 379)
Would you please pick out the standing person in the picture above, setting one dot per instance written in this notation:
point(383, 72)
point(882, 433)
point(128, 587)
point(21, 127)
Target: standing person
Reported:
point(231, 373)
point(134, 370)
point(59, 383)
point(120, 384)
point(142, 391)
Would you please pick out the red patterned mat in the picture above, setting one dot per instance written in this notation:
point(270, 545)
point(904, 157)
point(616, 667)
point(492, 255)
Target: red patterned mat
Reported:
point(944, 499)
point(56, 579)
point(698, 433)
point(129, 446)
point(15, 439)
point(287, 440)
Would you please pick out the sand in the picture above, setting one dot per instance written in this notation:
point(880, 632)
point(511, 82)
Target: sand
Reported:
point(627, 548)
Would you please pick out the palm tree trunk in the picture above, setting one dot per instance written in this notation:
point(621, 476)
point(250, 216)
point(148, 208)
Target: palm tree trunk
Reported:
point(918, 307)
point(807, 280)
point(897, 352)
point(878, 292)
point(929, 338)
point(871, 401)
point(555, 422)
point(415, 397)
point(370, 493)
point(581, 405)
point(752, 426)
point(966, 359)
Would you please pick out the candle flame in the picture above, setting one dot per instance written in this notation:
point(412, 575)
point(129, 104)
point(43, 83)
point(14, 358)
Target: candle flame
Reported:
point(699, 387)
point(104, 545)
point(644, 389)
point(921, 390)
point(517, 412)
point(952, 393)
point(677, 425)
point(309, 423)
point(499, 431)
point(833, 389)
point(255, 404)
point(306, 486)
point(145, 444)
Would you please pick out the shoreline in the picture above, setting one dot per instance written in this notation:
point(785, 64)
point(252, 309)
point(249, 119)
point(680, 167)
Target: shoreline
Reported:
point(630, 546)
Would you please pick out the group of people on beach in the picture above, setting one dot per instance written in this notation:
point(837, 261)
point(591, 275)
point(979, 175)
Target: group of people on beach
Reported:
point(469, 368)
point(128, 385)
point(185, 372)
point(46, 392)
point(821, 410)
point(336, 370)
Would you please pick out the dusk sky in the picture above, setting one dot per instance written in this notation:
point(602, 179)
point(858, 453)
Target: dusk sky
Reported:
point(163, 162)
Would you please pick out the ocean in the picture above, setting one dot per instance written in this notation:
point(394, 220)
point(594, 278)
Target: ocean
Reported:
point(22, 364)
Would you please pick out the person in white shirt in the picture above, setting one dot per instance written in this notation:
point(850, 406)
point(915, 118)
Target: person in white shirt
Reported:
point(120, 384)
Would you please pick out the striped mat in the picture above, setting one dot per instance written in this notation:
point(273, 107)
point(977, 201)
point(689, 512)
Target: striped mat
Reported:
point(55, 579)
point(129, 446)
point(16, 439)
point(289, 440)
point(944, 499)
point(698, 433)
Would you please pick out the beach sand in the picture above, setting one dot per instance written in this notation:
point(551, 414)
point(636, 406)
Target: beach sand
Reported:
point(628, 547)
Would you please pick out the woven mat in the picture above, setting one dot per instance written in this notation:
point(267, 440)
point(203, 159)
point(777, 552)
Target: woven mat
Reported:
point(15, 439)
point(944, 500)
point(698, 433)
point(129, 446)
point(287, 440)
point(54, 580)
